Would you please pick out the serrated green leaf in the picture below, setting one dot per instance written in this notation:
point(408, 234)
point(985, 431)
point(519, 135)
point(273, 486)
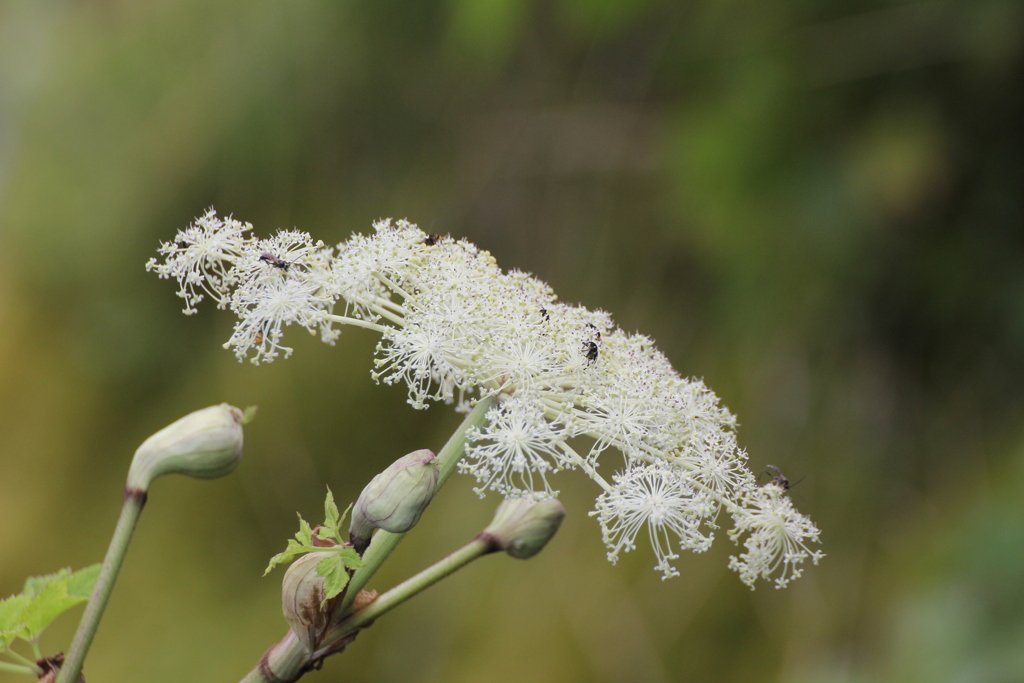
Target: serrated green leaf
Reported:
point(331, 516)
point(335, 576)
point(11, 623)
point(331, 528)
point(302, 543)
point(47, 606)
point(293, 550)
point(34, 585)
point(327, 565)
point(81, 583)
point(8, 637)
point(337, 536)
point(305, 533)
point(351, 558)
point(11, 609)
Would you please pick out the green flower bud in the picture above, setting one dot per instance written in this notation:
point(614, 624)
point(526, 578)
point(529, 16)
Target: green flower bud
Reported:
point(205, 444)
point(395, 498)
point(302, 592)
point(522, 526)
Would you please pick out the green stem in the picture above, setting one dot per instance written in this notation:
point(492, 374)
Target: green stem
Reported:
point(24, 661)
point(36, 652)
point(453, 451)
point(19, 669)
point(358, 323)
point(481, 545)
point(289, 659)
point(134, 500)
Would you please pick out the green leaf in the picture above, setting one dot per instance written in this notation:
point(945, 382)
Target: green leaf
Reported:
point(34, 585)
point(303, 541)
point(293, 550)
point(11, 623)
point(331, 516)
point(43, 599)
point(335, 576)
point(305, 534)
point(81, 583)
point(331, 528)
point(47, 606)
point(351, 558)
point(337, 536)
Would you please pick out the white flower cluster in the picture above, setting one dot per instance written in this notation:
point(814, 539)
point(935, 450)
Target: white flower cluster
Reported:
point(454, 327)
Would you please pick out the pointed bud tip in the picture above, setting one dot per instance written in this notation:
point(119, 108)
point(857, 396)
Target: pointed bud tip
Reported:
point(248, 415)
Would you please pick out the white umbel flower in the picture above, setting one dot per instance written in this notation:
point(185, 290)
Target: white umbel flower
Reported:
point(455, 328)
point(202, 257)
point(517, 451)
point(663, 499)
point(778, 536)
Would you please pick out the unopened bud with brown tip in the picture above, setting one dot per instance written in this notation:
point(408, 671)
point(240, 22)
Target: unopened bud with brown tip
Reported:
point(205, 444)
point(395, 498)
point(523, 526)
point(302, 593)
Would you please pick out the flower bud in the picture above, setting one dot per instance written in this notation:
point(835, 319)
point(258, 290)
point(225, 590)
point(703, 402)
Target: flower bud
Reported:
point(395, 498)
point(302, 592)
point(522, 526)
point(205, 444)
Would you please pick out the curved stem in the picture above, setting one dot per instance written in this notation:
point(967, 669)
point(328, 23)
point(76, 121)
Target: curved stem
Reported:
point(25, 661)
point(19, 669)
point(134, 500)
point(481, 545)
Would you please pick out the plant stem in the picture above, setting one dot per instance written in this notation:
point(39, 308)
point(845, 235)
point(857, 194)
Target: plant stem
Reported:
point(480, 545)
point(358, 323)
point(18, 669)
point(289, 659)
point(28, 663)
point(453, 451)
point(21, 658)
point(134, 500)
point(286, 661)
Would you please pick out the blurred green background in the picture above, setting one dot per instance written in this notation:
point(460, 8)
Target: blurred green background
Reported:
point(818, 207)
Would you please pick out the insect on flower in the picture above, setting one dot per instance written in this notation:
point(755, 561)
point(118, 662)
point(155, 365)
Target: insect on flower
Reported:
point(590, 346)
point(779, 479)
point(274, 261)
point(431, 240)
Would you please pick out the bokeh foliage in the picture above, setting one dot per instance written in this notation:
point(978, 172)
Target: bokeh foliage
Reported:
point(816, 206)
